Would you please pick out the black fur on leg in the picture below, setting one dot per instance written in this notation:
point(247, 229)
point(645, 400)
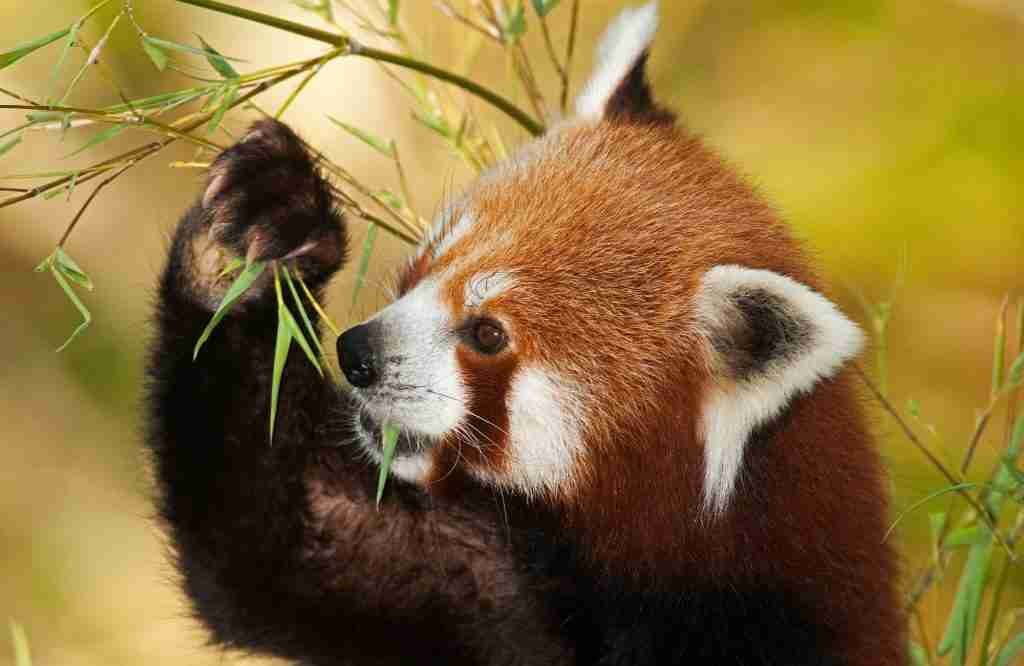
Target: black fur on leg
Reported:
point(280, 547)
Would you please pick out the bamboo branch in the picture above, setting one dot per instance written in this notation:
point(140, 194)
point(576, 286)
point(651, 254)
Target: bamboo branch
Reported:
point(356, 49)
point(938, 464)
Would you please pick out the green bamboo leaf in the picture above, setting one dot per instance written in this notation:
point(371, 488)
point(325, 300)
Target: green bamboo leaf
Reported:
point(22, 656)
point(1015, 376)
point(392, 12)
point(389, 441)
point(1004, 478)
point(391, 199)
point(59, 65)
point(963, 619)
point(300, 337)
point(155, 53)
point(92, 58)
point(1010, 651)
point(433, 121)
point(71, 270)
point(281, 345)
point(293, 327)
point(184, 48)
point(927, 498)
point(383, 147)
point(313, 334)
point(364, 261)
point(225, 103)
point(918, 656)
point(73, 297)
point(8, 58)
point(97, 139)
point(231, 296)
point(966, 536)
point(232, 266)
point(542, 7)
point(316, 306)
point(9, 144)
point(514, 25)
point(217, 61)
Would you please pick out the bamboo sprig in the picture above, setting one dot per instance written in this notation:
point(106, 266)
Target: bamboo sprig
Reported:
point(355, 48)
point(952, 478)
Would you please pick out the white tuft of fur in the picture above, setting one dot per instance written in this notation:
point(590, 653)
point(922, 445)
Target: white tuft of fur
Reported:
point(482, 288)
point(545, 444)
point(445, 233)
point(732, 411)
point(625, 40)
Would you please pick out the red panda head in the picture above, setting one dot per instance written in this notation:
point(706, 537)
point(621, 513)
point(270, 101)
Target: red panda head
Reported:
point(609, 313)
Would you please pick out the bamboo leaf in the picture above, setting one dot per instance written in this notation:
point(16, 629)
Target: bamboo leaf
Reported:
point(383, 147)
point(364, 261)
point(73, 297)
point(59, 65)
point(155, 53)
point(281, 345)
point(316, 306)
point(97, 139)
point(217, 61)
point(225, 103)
point(514, 25)
point(9, 144)
point(389, 441)
point(1010, 651)
point(184, 48)
point(296, 332)
point(392, 12)
point(918, 656)
point(71, 270)
point(313, 333)
point(12, 56)
point(963, 619)
point(231, 296)
point(233, 265)
point(966, 536)
point(1015, 377)
point(542, 7)
point(390, 199)
point(927, 498)
point(22, 656)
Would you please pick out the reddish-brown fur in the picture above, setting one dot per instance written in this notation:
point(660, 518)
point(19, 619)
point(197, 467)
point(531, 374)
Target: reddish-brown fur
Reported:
point(608, 229)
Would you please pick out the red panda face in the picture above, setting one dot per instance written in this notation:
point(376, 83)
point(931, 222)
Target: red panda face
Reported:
point(611, 306)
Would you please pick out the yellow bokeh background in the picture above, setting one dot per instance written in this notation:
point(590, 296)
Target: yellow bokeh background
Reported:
point(889, 132)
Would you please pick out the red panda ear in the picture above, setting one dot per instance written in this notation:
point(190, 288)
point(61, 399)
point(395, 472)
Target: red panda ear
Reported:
point(769, 339)
point(618, 88)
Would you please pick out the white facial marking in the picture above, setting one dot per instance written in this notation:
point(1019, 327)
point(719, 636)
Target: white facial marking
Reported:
point(625, 40)
point(731, 412)
point(420, 388)
point(545, 424)
point(481, 288)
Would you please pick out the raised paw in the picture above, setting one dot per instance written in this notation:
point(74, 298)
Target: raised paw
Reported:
point(265, 199)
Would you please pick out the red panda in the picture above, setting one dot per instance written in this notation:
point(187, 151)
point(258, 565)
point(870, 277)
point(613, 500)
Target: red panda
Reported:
point(628, 433)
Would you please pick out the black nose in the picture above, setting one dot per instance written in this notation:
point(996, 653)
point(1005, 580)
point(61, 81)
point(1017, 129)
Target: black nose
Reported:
point(355, 353)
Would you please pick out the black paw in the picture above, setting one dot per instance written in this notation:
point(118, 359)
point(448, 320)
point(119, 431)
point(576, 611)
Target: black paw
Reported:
point(265, 199)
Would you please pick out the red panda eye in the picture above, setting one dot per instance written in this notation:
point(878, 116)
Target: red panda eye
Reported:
point(488, 337)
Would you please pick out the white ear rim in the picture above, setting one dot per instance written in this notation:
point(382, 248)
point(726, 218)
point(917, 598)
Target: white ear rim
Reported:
point(624, 41)
point(731, 412)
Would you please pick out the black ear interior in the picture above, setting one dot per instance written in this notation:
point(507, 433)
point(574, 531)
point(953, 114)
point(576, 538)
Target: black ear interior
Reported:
point(632, 100)
point(759, 331)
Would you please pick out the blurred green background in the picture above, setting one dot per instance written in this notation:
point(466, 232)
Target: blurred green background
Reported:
point(891, 134)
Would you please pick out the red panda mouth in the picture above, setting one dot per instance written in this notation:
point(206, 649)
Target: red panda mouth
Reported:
point(408, 444)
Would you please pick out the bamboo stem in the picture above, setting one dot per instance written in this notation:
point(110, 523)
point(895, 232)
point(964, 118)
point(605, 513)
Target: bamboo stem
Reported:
point(356, 49)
